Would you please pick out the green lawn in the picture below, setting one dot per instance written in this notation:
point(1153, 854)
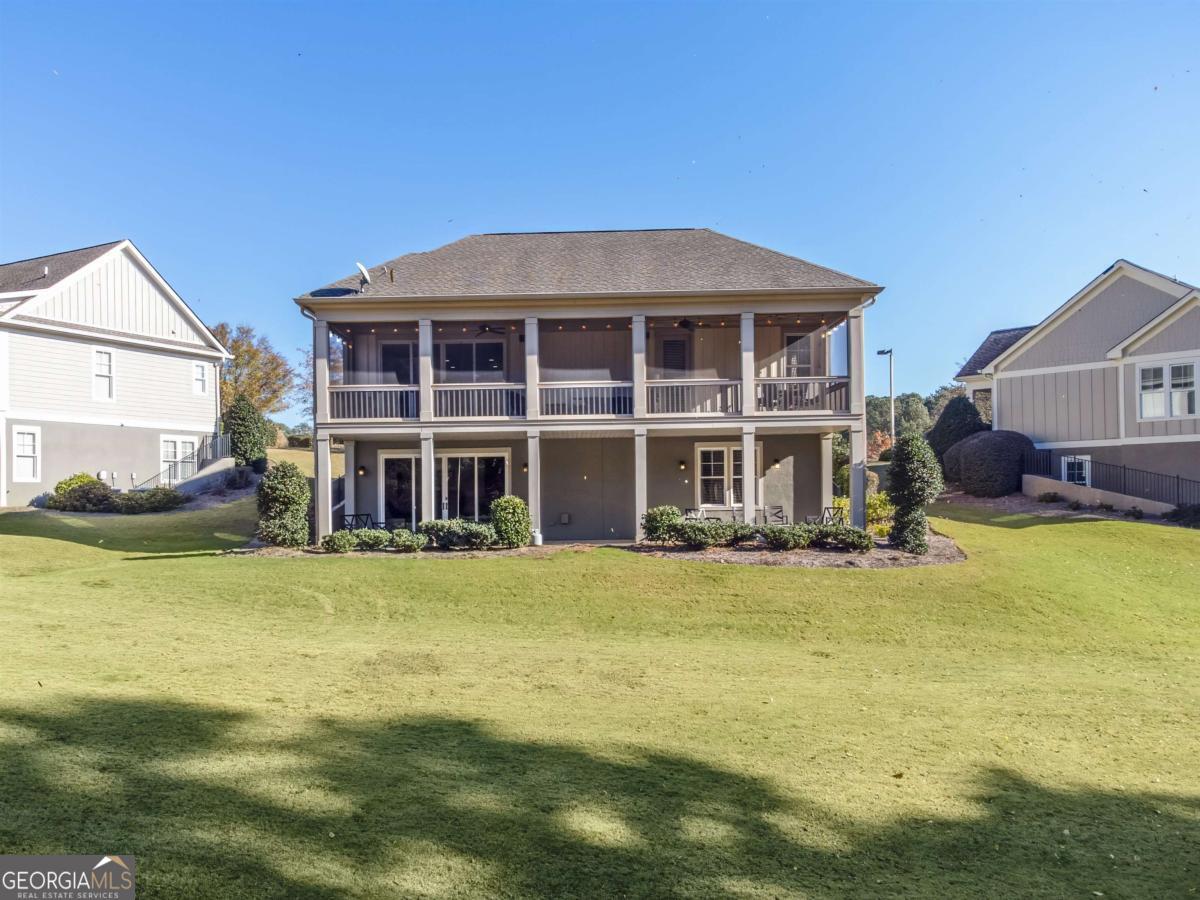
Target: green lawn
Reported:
point(599, 724)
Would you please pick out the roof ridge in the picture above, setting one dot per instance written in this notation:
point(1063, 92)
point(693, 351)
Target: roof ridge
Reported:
point(1130, 262)
point(807, 262)
point(587, 231)
point(13, 262)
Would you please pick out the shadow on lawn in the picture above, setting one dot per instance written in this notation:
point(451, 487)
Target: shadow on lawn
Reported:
point(447, 807)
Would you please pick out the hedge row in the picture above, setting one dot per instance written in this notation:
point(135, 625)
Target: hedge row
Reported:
point(83, 493)
point(401, 539)
point(666, 525)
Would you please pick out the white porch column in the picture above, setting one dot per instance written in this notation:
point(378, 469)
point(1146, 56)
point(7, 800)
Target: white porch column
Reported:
point(320, 372)
point(749, 475)
point(425, 369)
point(534, 441)
point(826, 471)
point(639, 478)
point(639, 371)
point(855, 335)
point(351, 479)
point(748, 366)
point(323, 482)
point(427, 475)
point(858, 477)
point(533, 374)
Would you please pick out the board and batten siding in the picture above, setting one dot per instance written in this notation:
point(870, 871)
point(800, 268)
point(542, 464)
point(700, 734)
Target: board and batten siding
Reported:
point(51, 373)
point(1154, 427)
point(118, 295)
point(1077, 405)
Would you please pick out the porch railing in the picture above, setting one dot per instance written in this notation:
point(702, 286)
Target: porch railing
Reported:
point(802, 394)
point(388, 402)
point(1174, 489)
point(479, 401)
point(694, 397)
point(586, 398)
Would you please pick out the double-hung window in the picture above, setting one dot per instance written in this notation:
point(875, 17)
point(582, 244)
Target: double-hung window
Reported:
point(27, 453)
point(719, 474)
point(103, 386)
point(1167, 390)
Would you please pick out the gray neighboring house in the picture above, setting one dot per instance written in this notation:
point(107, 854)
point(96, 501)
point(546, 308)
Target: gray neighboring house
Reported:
point(1109, 376)
point(103, 369)
point(594, 374)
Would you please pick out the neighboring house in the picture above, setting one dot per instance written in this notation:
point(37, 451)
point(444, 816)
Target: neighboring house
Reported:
point(103, 369)
point(593, 373)
point(1109, 376)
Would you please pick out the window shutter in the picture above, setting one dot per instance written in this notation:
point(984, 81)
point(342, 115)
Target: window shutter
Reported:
point(674, 355)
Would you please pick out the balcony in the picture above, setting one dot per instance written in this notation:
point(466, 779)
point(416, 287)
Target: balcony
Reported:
point(479, 401)
point(694, 397)
point(586, 399)
point(373, 402)
point(802, 395)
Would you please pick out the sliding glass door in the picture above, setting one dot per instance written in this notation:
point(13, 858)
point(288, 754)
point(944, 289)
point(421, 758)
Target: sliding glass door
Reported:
point(465, 484)
point(400, 493)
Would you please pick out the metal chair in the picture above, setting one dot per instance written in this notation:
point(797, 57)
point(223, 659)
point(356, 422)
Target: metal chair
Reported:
point(774, 515)
point(358, 520)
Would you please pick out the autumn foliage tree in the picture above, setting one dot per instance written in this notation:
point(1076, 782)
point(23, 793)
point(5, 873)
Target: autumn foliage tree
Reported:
point(257, 371)
point(880, 441)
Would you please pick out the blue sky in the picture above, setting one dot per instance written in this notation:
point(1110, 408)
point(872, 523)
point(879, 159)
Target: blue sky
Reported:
point(981, 160)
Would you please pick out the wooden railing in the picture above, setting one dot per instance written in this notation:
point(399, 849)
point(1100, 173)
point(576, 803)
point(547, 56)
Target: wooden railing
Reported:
point(479, 401)
point(388, 402)
point(694, 397)
point(586, 398)
point(790, 395)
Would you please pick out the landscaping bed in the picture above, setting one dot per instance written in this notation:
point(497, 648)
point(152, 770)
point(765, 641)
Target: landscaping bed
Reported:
point(942, 550)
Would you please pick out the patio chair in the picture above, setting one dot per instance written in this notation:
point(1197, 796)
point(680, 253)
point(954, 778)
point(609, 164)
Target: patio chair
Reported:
point(774, 515)
point(358, 520)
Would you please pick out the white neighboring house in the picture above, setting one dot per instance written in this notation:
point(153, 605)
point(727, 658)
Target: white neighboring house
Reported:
point(103, 369)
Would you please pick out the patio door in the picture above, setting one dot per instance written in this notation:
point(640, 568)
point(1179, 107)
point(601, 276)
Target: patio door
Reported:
point(400, 491)
point(466, 483)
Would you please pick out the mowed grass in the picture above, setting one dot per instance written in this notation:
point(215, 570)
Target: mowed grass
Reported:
point(599, 724)
point(304, 459)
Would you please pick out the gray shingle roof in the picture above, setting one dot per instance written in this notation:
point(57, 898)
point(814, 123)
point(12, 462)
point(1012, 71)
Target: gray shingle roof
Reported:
point(28, 274)
point(993, 345)
point(591, 262)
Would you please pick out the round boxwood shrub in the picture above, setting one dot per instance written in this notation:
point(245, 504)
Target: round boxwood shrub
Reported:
point(958, 420)
point(88, 496)
point(406, 541)
point(339, 542)
point(788, 537)
point(840, 537)
point(247, 431)
point(283, 499)
point(991, 462)
point(372, 538)
point(157, 499)
point(510, 518)
point(698, 534)
point(658, 523)
point(952, 460)
point(477, 535)
point(74, 481)
point(444, 533)
point(915, 479)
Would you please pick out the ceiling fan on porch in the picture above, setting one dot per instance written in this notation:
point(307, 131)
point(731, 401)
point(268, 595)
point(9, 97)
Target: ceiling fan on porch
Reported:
point(489, 329)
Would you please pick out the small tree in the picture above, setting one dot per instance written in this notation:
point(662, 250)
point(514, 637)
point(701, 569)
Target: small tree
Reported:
point(283, 496)
point(878, 443)
point(914, 479)
point(510, 518)
point(958, 420)
point(247, 431)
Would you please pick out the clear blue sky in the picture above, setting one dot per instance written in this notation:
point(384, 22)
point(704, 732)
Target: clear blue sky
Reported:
point(983, 161)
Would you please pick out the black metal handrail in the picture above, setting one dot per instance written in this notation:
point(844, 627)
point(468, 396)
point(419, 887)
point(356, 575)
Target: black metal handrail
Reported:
point(1174, 489)
point(210, 448)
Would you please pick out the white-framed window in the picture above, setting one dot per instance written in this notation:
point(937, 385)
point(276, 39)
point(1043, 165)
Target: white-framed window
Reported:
point(1167, 390)
point(27, 453)
point(103, 375)
point(177, 457)
point(200, 378)
point(1077, 469)
point(719, 474)
point(471, 361)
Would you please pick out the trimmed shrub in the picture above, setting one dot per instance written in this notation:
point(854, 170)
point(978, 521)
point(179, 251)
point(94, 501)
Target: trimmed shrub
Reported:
point(698, 534)
point(736, 533)
point(885, 455)
point(283, 499)
point(339, 542)
point(658, 523)
point(89, 496)
point(991, 462)
point(477, 535)
point(1106, 507)
point(371, 538)
point(915, 479)
point(1185, 514)
point(157, 499)
point(510, 518)
point(1049, 497)
point(407, 541)
point(444, 533)
point(840, 537)
point(1074, 505)
point(74, 481)
point(300, 441)
point(958, 420)
point(247, 431)
point(1135, 512)
point(952, 461)
point(841, 480)
point(788, 537)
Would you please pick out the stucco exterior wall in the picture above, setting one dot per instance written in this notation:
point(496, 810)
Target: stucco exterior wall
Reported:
point(1096, 327)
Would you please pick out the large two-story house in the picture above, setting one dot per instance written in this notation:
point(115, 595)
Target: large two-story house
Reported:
point(1109, 376)
point(594, 374)
point(103, 369)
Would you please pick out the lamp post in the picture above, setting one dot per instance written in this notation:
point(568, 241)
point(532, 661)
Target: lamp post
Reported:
point(891, 387)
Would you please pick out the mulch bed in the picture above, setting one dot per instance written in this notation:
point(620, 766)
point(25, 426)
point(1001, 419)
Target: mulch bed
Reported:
point(1019, 504)
point(942, 550)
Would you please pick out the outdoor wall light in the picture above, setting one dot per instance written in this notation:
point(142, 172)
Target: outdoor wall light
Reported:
point(361, 471)
point(775, 465)
point(524, 467)
point(682, 466)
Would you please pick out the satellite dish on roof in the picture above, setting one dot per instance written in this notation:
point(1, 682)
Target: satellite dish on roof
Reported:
point(366, 276)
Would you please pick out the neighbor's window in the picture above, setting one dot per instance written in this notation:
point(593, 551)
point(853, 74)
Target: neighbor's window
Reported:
point(102, 375)
point(200, 378)
point(1183, 389)
point(1077, 469)
point(27, 454)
